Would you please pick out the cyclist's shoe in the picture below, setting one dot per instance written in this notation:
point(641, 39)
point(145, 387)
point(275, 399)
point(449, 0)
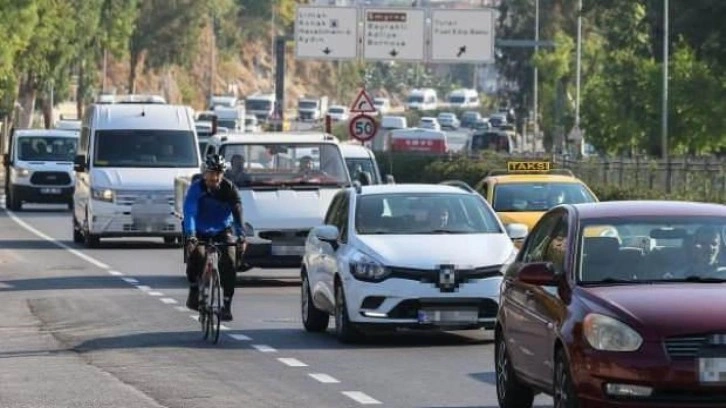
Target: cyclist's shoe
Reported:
point(193, 298)
point(226, 313)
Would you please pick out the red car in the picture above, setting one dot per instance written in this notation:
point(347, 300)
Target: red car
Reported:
point(617, 304)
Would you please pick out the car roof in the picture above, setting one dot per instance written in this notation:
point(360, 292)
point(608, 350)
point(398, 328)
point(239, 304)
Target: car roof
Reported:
point(47, 132)
point(355, 151)
point(275, 137)
point(411, 189)
point(143, 116)
point(528, 178)
point(644, 208)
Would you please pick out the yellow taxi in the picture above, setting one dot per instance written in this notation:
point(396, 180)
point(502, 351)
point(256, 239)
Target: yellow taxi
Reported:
point(523, 192)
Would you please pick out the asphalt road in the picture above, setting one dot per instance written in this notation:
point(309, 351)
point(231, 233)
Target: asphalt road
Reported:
point(106, 327)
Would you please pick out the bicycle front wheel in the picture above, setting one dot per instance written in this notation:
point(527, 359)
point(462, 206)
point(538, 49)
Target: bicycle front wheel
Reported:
point(215, 306)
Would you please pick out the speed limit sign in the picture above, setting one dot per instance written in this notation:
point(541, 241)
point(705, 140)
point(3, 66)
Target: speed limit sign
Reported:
point(362, 127)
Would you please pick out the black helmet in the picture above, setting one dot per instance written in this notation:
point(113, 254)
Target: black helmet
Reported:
point(216, 162)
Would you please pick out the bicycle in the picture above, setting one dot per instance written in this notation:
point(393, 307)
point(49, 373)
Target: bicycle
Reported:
point(210, 291)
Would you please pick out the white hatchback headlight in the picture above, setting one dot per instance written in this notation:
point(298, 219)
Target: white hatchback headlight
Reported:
point(366, 268)
point(607, 334)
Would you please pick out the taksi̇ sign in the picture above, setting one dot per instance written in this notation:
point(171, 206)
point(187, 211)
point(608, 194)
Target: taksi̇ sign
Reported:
point(362, 127)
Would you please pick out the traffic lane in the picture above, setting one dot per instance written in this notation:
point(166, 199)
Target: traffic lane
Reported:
point(131, 337)
point(57, 222)
point(270, 314)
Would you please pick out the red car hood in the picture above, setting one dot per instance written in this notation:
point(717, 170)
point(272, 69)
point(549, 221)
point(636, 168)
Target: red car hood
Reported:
point(663, 310)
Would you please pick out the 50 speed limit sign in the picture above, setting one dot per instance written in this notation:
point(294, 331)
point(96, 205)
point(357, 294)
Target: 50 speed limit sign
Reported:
point(362, 127)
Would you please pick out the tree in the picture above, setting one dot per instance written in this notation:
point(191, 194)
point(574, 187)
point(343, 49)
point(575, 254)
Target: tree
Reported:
point(17, 22)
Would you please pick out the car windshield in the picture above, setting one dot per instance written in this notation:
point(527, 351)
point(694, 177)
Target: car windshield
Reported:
point(472, 116)
point(446, 116)
point(258, 105)
point(457, 99)
point(47, 148)
point(336, 110)
point(277, 165)
point(523, 197)
point(307, 105)
point(229, 124)
point(418, 213)
point(490, 140)
point(653, 249)
point(146, 148)
point(355, 166)
point(415, 99)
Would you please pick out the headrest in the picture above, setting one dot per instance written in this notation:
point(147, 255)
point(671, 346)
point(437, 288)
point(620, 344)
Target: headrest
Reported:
point(601, 247)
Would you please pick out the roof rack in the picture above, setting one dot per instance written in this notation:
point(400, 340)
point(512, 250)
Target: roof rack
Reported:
point(458, 183)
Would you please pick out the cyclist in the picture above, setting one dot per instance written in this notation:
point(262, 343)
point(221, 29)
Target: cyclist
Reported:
point(213, 211)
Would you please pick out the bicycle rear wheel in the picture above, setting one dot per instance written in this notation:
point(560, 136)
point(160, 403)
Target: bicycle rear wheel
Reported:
point(215, 306)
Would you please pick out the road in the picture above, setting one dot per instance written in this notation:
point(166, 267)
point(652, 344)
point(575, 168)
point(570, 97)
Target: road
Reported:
point(106, 327)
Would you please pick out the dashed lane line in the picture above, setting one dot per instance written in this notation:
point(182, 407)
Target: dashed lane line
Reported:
point(324, 378)
point(361, 398)
point(264, 348)
point(291, 362)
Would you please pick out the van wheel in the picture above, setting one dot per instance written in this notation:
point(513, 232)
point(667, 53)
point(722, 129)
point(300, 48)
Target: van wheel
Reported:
point(91, 240)
point(13, 201)
point(77, 234)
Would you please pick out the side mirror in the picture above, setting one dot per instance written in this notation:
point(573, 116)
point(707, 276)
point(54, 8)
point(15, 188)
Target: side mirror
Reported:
point(538, 273)
point(365, 178)
point(79, 163)
point(390, 179)
point(327, 233)
point(517, 231)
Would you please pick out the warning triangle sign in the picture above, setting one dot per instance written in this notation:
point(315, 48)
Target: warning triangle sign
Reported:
point(363, 103)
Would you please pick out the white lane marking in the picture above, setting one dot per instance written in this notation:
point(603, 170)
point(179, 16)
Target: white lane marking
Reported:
point(264, 348)
point(154, 293)
point(223, 327)
point(324, 378)
point(75, 252)
point(130, 280)
point(194, 317)
point(115, 273)
point(292, 362)
point(143, 287)
point(181, 308)
point(361, 398)
point(168, 301)
point(240, 337)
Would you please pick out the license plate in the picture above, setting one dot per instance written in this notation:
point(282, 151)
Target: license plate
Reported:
point(287, 250)
point(712, 370)
point(50, 190)
point(443, 316)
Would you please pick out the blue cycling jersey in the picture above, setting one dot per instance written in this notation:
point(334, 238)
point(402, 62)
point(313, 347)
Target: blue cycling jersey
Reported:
point(209, 213)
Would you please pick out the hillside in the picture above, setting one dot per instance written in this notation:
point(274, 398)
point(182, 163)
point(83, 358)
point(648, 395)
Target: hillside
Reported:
point(249, 71)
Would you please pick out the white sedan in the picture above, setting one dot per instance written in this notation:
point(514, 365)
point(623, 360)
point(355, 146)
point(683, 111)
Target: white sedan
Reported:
point(405, 256)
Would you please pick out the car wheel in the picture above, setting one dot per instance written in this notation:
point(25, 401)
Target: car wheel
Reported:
point(511, 393)
point(91, 240)
point(314, 319)
point(344, 329)
point(564, 391)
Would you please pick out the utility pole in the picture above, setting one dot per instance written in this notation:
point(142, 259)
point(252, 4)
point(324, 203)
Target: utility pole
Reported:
point(536, 77)
point(579, 65)
point(105, 67)
point(213, 62)
point(664, 125)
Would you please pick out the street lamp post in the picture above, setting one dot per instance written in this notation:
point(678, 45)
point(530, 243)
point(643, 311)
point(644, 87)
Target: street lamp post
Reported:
point(579, 65)
point(536, 76)
point(664, 124)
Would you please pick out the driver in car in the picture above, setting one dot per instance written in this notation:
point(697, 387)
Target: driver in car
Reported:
point(702, 254)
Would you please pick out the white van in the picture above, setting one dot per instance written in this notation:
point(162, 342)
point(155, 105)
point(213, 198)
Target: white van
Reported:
point(464, 99)
point(281, 203)
point(128, 157)
point(261, 105)
point(422, 99)
point(39, 167)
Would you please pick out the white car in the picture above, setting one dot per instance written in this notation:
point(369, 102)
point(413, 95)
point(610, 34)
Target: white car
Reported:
point(448, 120)
point(429, 123)
point(405, 256)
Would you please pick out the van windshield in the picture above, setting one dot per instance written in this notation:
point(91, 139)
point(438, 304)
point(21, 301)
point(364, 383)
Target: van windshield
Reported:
point(46, 148)
point(258, 105)
point(146, 148)
point(285, 164)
